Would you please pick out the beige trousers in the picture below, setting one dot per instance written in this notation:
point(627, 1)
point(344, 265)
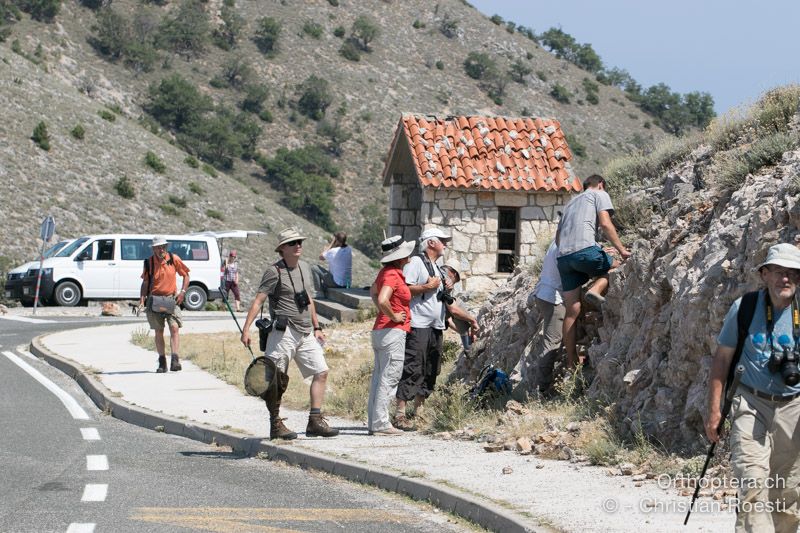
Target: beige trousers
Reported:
point(765, 456)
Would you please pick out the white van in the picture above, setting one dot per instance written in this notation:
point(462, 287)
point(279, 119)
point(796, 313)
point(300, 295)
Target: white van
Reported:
point(15, 276)
point(108, 267)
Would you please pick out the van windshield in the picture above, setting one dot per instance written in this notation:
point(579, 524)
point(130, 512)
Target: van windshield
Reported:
point(50, 252)
point(69, 249)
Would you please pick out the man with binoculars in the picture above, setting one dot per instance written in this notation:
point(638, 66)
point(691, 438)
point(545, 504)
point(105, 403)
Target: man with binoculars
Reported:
point(765, 449)
point(293, 333)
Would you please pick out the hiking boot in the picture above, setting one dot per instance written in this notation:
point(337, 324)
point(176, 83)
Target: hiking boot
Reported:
point(162, 364)
point(277, 430)
point(174, 363)
point(401, 422)
point(318, 427)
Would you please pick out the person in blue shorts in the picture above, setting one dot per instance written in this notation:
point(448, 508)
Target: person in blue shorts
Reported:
point(580, 258)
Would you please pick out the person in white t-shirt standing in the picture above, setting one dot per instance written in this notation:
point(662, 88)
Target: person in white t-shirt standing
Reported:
point(340, 259)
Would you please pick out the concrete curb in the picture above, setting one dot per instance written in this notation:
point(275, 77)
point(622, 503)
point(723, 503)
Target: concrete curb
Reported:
point(481, 512)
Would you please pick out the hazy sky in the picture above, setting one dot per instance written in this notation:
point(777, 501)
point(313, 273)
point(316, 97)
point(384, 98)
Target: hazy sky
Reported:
point(733, 49)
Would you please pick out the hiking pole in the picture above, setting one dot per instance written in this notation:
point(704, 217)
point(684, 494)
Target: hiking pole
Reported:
point(228, 305)
point(726, 407)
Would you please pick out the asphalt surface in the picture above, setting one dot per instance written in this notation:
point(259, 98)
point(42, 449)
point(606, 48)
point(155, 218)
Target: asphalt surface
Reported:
point(143, 481)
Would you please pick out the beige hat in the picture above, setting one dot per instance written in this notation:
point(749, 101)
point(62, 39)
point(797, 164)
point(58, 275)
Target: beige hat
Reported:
point(396, 248)
point(785, 255)
point(159, 241)
point(454, 265)
point(288, 235)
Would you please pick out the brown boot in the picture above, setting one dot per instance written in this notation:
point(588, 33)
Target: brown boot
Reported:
point(174, 363)
point(277, 429)
point(401, 422)
point(318, 427)
point(162, 364)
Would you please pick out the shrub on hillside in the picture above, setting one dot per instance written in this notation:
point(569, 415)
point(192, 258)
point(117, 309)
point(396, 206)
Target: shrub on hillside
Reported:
point(178, 201)
point(132, 41)
point(364, 31)
point(95, 4)
point(337, 135)
point(350, 51)
point(79, 132)
point(236, 72)
point(154, 162)
point(192, 162)
point(313, 97)
point(196, 188)
point(188, 31)
point(560, 93)
point(213, 213)
point(312, 29)
point(226, 35)
point(448, 26)
point(254, 97)
point(266, 36)
point(478, 64)
point(734, 167)
point(518, 71)
point(304, 176)
point(42, 10)
point(631, 172)
point(208, 169)
point(175, 102)
point(107, 115)
point(339, 31)
point(169, 209)
point(124, 188)
point(575, 146)
point(41, 137)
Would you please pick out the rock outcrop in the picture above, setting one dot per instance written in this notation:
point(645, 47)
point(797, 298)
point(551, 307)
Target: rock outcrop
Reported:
point(664, 308)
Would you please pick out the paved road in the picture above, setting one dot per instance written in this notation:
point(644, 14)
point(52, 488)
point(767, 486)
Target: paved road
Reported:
point(68, 467)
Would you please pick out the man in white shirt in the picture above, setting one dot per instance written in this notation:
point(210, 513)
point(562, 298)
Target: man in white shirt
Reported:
point(340, 258)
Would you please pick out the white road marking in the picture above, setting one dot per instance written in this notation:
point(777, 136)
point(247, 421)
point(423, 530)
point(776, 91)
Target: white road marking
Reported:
point(69, 402)
point(26, 319)
point(90, 434)
point(80, 528)
point(95, 492)
point(96, 462)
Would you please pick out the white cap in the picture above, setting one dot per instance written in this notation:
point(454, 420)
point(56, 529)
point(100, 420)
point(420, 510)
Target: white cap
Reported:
point(159, 241)
point(434, 233)
point(785, 255)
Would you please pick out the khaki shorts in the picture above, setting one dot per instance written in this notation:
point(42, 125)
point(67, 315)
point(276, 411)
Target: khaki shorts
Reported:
point(158, 320)
point(283, 346)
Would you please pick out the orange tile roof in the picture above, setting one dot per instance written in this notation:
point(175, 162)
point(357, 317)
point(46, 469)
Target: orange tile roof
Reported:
point(499, 153)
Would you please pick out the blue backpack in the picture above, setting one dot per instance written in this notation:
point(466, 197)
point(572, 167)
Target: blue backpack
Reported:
point(491, 380)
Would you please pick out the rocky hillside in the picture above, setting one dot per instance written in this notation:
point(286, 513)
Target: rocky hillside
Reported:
point(698, 216)
point(51, 73)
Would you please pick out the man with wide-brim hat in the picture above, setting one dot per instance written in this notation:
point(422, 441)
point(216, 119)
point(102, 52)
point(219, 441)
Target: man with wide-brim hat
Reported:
point(295, 335)
point(391, 296)
point(159, 280)
point(765, 450)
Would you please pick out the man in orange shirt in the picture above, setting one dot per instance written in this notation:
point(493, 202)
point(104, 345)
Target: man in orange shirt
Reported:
point(163, 305)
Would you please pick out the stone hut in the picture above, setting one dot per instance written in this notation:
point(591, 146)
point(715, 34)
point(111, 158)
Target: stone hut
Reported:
point(496, 184)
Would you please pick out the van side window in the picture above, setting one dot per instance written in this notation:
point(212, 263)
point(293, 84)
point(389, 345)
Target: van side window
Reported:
point(136, 249)
point(105, 250)
point(189, 250)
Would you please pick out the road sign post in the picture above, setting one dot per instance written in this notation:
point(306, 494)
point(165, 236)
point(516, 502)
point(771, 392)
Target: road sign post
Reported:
point(46, 233)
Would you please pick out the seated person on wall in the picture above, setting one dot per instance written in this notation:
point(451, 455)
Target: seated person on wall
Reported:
point(340, 258)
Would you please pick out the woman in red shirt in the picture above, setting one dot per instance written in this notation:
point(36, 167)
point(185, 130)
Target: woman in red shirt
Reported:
point(392, 297)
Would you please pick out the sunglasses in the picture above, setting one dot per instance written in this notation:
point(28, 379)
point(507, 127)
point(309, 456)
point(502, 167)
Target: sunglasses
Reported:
point(294, 243)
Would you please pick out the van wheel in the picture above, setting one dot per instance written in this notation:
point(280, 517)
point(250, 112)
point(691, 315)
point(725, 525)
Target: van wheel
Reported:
point(195, 299)
point(67, 294)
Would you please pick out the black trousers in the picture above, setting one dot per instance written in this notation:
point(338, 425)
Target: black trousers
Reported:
point(422, 364)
